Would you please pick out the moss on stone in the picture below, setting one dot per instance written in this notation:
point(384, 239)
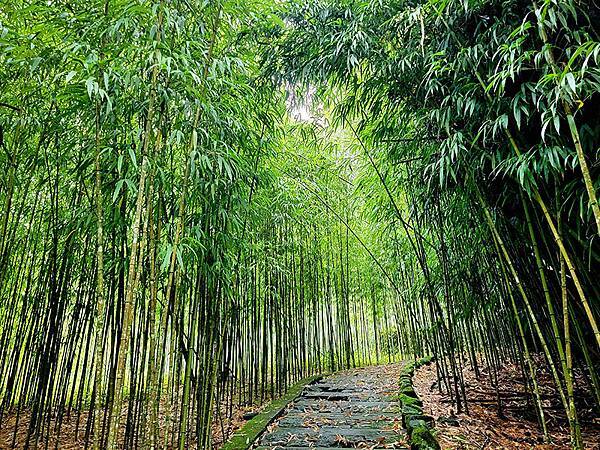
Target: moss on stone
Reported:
point(416, 421)
point(408, 370)
point(408, 391)
point(422, 438)
point(405, 382)
point(409, 400)
point(411, 410)
point(418, 425)
point(424, 360)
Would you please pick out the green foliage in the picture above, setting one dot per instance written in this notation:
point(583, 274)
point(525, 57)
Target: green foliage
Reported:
point(462, 109)
point(177, 235)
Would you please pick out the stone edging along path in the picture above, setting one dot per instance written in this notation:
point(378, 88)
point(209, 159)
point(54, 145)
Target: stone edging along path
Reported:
point(371, 407)
point(418, 425)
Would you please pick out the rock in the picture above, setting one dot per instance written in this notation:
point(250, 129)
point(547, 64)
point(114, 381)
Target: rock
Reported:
point(411, 410)
point(450, 420)
point(417, 421)
point(249, 415)
point(408, 390)
point(422, 438)
point(408, 400)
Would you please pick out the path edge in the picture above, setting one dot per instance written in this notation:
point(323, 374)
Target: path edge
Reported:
point(418, 425)
point(249, 433)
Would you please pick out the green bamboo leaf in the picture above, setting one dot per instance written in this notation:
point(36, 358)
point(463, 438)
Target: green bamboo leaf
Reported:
point(70, 76)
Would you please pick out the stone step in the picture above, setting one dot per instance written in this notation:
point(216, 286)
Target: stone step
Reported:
point(328, 395)
point(359, 407)
point(326, 386)
point(367, 420)
point(355, 409)
point(343, 396)
point(330, 436)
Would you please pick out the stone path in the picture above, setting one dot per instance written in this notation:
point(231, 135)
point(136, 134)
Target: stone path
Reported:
point(351, 409)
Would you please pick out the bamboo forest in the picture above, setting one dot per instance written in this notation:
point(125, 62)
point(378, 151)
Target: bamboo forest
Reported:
point(209, 208)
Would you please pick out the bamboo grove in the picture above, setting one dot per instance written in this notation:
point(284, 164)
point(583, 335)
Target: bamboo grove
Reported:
point(181, 238)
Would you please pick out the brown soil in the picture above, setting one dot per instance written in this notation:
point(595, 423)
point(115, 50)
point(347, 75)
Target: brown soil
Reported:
point(483, 428)
point(223, 429)
point(73, 429)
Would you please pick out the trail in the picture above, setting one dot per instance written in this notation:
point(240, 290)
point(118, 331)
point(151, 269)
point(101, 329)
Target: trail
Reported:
point(350, 409)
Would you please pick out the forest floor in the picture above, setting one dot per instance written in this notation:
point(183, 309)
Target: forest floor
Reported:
point(73, 428)
point(223, 427)
point(355, 408)
point(482, 428)
point(350, 409)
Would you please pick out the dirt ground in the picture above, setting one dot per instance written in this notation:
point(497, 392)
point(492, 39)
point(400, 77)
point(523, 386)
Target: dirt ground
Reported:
point(73, 429)
point(482, 428)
